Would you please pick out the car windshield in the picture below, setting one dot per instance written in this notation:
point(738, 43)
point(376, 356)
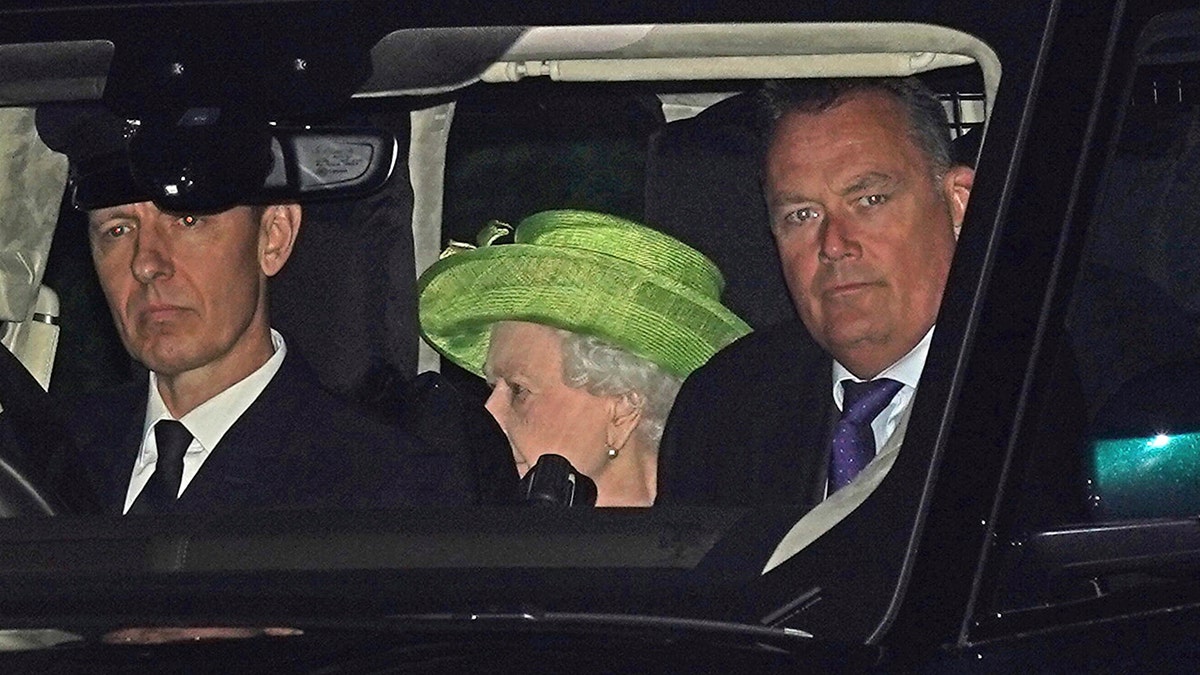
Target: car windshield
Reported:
point(408, 140)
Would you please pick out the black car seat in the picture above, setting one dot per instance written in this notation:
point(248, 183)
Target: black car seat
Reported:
point(347, 300)
point(347, 297)
point(702, 187)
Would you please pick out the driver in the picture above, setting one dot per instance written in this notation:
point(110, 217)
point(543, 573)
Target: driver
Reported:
point(229, 417)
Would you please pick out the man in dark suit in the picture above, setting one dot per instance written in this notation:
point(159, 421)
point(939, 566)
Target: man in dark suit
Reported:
point(295, 446)
point(229, 419)
point(865, 206)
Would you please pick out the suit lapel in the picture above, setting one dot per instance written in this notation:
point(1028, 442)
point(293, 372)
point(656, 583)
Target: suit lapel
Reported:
point(228, 476)
point(795, 420)
point(817, 417)
point(128, 450)
point(809, 427)
point(108, 427)
point(239, 470)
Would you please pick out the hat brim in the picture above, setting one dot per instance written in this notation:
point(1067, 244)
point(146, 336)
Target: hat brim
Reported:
point(650, 315)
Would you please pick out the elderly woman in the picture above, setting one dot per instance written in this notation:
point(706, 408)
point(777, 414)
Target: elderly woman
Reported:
point(585, 327)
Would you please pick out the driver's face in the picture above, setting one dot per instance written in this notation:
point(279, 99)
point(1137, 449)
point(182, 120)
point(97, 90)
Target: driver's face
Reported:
point(187, 293)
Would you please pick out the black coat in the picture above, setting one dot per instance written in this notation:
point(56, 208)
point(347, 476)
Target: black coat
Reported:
point(751, 427)
point(296, 446)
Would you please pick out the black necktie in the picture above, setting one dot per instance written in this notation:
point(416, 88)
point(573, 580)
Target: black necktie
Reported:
point(853, 442)
point(161, 490)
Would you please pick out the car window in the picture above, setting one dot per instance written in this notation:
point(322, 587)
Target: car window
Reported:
point(551, 145)
point(657, 131)
point(1113, 465)
point(1135, 319)
point(678, 154)
point(1133, 322)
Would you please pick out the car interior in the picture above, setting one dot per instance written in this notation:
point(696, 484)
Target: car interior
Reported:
point(649, 122)
point(1108, 502)
point(402, 141)
point(445, 129)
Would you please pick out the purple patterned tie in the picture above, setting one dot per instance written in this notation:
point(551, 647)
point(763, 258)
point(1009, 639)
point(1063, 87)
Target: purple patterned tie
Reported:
point(853, 445)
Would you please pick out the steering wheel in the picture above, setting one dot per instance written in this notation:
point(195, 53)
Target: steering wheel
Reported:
point(39, 470)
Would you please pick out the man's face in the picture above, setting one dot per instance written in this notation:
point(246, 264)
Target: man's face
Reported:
point(187, 292)
point(865, 232)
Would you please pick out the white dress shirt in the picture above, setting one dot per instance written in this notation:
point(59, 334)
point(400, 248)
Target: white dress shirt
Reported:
point(906, 371)
point(207, 423)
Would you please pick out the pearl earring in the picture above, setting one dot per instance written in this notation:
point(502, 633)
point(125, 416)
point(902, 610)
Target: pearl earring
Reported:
point(612, 452)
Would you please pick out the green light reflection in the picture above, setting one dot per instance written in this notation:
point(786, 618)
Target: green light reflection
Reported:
point(1148, 476)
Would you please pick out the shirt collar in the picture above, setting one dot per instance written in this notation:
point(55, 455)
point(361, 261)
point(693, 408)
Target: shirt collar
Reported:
point(906, 371)
point(209, 421)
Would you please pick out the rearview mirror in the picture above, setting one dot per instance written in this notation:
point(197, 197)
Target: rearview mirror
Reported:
point(327, 163)
point(207, 159)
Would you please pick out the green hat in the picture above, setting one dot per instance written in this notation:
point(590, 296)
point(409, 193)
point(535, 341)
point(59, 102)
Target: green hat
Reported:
point(589, 273)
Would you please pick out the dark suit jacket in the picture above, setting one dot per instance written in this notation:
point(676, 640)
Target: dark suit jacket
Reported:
point(296, 446)
point(751, 427)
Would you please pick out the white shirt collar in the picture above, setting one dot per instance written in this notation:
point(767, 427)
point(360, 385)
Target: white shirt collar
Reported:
point(906, 371)
point(209, 421)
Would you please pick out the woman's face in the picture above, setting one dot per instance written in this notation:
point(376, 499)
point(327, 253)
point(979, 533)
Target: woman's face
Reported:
point(538, 412)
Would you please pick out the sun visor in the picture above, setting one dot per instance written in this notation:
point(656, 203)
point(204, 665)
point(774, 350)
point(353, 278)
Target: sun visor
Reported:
point(432, 60)
point(31, 187)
